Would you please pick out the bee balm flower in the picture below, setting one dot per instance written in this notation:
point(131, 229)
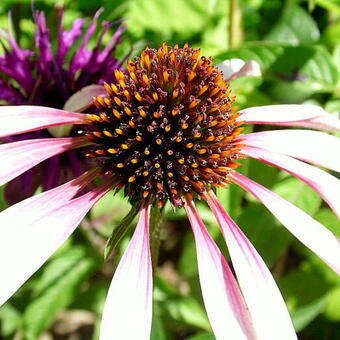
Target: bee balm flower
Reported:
point(51, 78)
point(167, 131)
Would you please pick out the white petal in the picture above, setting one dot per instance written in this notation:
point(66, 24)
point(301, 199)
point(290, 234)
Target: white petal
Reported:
point(82, 99)
point(20, 213)
point(266, 305)
point(128, 308)
point(17, 157)
point(307, 116)
point(322, 182)
point(40, 234)
point(311, 146)
point(236, 68)
point(310, 232)
point(223, 300)
point(25, 118)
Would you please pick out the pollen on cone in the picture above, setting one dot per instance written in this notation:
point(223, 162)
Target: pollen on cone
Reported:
point(168, 129)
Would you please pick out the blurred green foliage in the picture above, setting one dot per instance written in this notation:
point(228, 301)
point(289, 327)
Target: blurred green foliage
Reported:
point(297, 44)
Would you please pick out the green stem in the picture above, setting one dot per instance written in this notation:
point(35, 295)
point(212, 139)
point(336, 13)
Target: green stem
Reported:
point(235, 24)
point(155, 234)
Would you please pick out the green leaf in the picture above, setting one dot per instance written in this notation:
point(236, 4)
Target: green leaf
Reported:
point(333, 105)
point(119, 231)
point(202, 336)
point(330, 220)
point(336, 54)
point(57, 288)
point(187, 310)
point(93, 298)
point(181, 309)
point(3, 204)
point(332, 310)
point(264, 53)
point(164, 18)
point(114, 204)
point(10, 319)
point(264, 231)
point(295, 27)
point(187, 264)
point(231, 197)
point(325, 275)
point(330, 5)
point(331, 35)
point(262, 173)
point(298, 193)
point(305, 69)
point(319, 69)
point(157, 330)
point(306, 314)
point(303, 287)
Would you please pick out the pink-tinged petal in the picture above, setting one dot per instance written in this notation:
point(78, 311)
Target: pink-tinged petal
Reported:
point(17, 157)
point(311, 146)
point(325, 122)
point(25, 118)
point(310, 232)
point(266, 305)
point(250, 69)
point(128, 307)
point(236, 68)
point(230, 67)
point(41, 202)
point(30, 238)
point(82, 99)
point(226, 309)
point(326, 185)
point(307, 116)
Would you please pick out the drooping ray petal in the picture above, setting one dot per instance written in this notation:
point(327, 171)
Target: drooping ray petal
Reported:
point(266, 305)
point(326, 122)
point(236, 68)
point(307, 116)
point(128, 307)
point(223, 300)
point(17, 157)
point(311, 146)
point(310, 232)
point(41, 202)
point(82, 99)
point(25, 118)
point(322, 182)
point(41, 233)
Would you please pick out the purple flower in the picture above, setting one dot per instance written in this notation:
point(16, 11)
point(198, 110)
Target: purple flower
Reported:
point(49, 77)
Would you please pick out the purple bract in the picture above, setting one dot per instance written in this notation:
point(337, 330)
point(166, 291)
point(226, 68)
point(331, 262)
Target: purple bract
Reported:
point(49, 77)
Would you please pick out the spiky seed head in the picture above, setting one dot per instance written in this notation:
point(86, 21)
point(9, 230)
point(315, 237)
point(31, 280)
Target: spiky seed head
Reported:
point(167, 129)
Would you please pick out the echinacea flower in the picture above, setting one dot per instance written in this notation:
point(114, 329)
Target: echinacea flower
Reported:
point(167, 131)
point(52, 77)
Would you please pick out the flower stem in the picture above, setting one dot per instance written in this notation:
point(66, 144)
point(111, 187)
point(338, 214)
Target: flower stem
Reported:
point(155, 234)
point(235, 24)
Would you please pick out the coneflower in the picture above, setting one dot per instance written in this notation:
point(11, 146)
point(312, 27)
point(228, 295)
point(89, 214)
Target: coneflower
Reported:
point(167, 131)
point(50, 77)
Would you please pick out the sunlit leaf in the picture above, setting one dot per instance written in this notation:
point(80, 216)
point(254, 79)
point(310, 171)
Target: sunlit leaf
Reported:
point(298, 193)
point(202, 336)
point(59, 285)
point(295, 27)
point(306, 314)
point(332, 310)
point(264, 231)
point(10, 320)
